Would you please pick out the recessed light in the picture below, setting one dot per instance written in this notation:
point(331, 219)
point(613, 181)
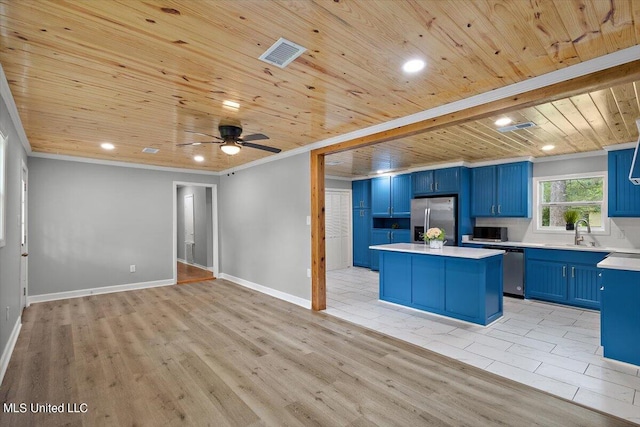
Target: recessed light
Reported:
point(231, 104)
point(548, 147)
point(413, 66)
point(196, 143)
point(198, 159)
point(503, 121)
point(107, 146)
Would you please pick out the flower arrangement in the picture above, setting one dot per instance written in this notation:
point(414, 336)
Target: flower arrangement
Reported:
point(434, 233)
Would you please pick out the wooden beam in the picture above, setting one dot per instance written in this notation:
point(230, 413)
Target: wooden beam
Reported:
point(604, 79)
point(599, 80)
point(318, 266)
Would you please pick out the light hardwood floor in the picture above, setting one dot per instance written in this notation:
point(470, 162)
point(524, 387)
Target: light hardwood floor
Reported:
point(214, 353)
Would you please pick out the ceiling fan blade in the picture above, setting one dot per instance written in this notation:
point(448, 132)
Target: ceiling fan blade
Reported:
point(203, 134)
point(261, 147)
point(198, 143)
point(253, 137)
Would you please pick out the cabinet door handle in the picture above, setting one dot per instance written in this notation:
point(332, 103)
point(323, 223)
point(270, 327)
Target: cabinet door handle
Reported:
point(391, 210)
point(432, 186)
point(389, 235)
point(436, 186)
point(392, 236)
point(573, 272)
point(498, 209)
point(564, 271)
point(361, 213)
point(493, 209)
point(602, 288)
point(599, 274)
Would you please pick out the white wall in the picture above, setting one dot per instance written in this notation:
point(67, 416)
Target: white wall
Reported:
point(90, 222)
point(265, 239)
point(10, 253)
point(624, 232)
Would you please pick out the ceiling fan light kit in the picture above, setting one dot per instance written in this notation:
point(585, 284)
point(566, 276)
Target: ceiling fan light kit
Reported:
point(230, 148)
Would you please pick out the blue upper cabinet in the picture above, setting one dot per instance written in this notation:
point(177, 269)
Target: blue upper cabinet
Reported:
point(502, 190)
point(439, 181)
point(361, 193)
point(624, 197)
point(391, 196)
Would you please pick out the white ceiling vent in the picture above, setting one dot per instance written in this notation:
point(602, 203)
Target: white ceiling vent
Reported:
point(150, 150)
point(282, 53)
point(516, 127)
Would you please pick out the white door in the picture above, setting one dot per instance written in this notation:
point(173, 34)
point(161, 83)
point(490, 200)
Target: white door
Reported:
point(338, 229)
point(24, 250)
point(189, 228)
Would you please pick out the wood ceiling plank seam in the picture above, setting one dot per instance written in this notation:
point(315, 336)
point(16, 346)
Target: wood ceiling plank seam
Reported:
point(605, 103)
point(525, 46)
point(538, 117)
point(551, 31)
point(583, 27)
point(590, 113)
point(627, 105)
point(514, 137)
point(505, 144)
point(449, 142)
point(574, 116)
point(550, 111)
point(635, 11)
point(616, 22)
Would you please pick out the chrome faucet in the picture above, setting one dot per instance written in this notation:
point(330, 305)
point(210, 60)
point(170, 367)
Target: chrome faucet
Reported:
point(578, 238)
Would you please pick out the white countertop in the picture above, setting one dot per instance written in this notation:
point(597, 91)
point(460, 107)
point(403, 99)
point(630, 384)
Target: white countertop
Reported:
point(617, 261)
point(568, 246)
point(449, 251)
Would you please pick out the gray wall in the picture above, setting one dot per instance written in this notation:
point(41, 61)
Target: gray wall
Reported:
point(337, 184)
point(89, 222)
point(202, 224)
point(264, 235)
point(10, 253)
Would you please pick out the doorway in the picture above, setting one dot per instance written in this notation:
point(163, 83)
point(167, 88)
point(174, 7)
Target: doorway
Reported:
point(24, 248)
point(338, 229)
point(195, 237)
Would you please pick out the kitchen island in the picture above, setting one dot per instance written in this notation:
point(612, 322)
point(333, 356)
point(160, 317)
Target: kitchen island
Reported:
point(463, 283)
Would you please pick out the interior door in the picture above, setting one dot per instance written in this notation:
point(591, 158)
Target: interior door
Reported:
point(338, 229)
point(24, 249)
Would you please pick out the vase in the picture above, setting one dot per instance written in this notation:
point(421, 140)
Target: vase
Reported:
point(435, 244)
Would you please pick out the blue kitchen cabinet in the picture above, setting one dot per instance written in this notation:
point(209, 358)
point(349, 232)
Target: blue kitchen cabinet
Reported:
point(361, 193)
point(361, 237)
point(568, 277)
point(546, 280)
point(397, 275)
point(427, 277)
point(439, 181)
point(624, 197)
point(619, 316)
point(391, 196)
point(502, 190)
point(385, 236)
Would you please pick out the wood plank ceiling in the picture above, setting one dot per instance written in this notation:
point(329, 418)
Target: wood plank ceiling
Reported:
point(142, 74)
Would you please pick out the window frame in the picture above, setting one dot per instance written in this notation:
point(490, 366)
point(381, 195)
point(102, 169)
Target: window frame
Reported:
point(3, 189)
point(537, 199)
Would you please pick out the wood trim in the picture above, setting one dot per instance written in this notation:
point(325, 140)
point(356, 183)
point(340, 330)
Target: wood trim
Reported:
point(318, 266)
point(599, 80)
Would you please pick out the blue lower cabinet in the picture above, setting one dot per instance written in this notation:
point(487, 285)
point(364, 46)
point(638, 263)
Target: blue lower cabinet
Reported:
point(385, 236)
point(620, 317)
point(567, 277)
point(427, 277)
point(395, 272)
point(466, 289)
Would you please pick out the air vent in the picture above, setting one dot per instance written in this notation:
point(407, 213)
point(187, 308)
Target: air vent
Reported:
point(516, 127)
point(150, 150)
point(282, 53)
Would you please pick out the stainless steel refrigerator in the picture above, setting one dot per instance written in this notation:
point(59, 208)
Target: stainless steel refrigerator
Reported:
point(432, 212)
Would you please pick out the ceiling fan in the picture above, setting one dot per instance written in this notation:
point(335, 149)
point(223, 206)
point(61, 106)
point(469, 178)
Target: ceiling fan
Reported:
point(231, 141)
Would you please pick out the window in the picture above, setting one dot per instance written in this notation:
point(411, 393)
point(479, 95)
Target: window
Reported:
point(583, 193)
point(3, 198)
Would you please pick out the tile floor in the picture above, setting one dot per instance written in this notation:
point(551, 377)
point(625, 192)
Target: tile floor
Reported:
point(550, 347)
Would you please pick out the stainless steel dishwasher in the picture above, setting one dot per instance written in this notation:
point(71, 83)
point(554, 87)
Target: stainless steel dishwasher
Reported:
point(512, 271)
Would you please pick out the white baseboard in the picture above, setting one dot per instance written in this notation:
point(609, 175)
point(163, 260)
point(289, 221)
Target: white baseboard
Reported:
point(269, 291)
point(8, 349)
point(97, 291)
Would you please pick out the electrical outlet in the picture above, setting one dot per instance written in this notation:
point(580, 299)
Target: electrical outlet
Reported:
point(132, 268)
point(308, 220)
point(308, 272)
